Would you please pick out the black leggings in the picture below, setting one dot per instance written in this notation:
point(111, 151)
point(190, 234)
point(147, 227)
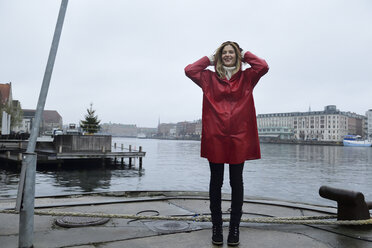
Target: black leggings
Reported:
point(237, 191)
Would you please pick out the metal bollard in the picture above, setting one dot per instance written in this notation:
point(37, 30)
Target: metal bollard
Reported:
point(350, 204)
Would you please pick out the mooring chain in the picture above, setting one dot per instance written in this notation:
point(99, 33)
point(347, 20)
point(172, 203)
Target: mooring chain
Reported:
point(315, 220)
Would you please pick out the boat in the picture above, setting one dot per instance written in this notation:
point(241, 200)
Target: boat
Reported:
point(141, 136)
point(355, 140)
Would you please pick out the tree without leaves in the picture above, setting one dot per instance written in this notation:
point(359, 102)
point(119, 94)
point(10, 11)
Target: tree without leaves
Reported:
point(91, 122)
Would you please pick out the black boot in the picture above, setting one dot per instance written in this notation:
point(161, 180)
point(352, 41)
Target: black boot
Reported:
point(233, 238)
point(217, 236)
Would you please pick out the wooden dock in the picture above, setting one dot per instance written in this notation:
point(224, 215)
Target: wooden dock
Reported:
point(68, 149)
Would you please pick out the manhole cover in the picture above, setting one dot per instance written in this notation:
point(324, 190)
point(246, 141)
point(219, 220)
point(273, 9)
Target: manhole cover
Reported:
point(70, 221)
point(171, 225)
point(168, 226)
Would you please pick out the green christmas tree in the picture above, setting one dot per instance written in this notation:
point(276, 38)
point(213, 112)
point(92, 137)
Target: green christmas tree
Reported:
point(91, 122)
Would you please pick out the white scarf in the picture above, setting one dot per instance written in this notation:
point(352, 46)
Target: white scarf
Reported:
point(228, 71)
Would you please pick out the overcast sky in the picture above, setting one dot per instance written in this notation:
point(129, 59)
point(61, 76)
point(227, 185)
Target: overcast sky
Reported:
point(128, 57)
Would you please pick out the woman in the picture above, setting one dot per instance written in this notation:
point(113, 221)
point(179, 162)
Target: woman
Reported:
point(229, 133)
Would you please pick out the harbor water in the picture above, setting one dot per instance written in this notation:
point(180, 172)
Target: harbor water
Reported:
point(288, 172)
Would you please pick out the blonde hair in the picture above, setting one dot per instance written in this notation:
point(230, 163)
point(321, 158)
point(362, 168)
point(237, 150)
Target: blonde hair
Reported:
point(218, 59)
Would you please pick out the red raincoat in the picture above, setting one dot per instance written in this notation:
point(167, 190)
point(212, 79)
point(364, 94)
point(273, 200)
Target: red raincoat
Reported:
point(229, 132)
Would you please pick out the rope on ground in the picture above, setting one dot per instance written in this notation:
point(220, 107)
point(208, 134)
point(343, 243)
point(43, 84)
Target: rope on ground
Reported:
point(313, 220)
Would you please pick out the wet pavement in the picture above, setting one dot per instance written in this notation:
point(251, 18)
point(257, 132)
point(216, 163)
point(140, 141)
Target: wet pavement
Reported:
point(117, 232)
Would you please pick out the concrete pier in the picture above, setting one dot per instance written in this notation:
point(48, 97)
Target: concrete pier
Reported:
point(64, 149)
point(119, 232)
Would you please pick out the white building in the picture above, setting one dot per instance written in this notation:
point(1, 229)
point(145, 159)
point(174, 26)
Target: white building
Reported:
point(328, 125)
point(369, 124)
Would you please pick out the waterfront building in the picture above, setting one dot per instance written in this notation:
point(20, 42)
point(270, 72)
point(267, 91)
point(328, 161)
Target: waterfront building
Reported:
point(190, 128)
point(181, 128)
point(185, 128)
point(146, 131)
point(12, 108)
point(330, 124)
point(118, 129)
point(166, 129)
point(198, 128)
point(127, 130)
point(51, 120)
point(369, 124)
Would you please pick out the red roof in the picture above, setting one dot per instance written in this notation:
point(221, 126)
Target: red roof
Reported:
point(51, 116)
point(4, 93)
point(48, 115)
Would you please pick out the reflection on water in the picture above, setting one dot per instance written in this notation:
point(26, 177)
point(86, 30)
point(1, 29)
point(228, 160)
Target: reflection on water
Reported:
point(8, 183)
point(290, 172)
point(64, 181)
point(296, 172)
point(82, 180)
point(86, 180)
